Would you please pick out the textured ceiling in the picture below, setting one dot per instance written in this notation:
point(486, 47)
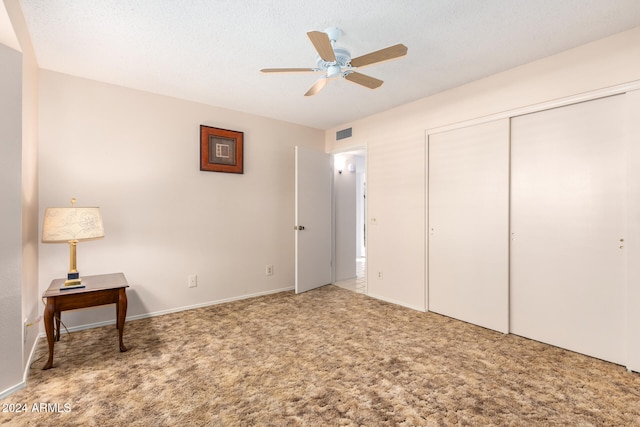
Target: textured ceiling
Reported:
point(211, 51)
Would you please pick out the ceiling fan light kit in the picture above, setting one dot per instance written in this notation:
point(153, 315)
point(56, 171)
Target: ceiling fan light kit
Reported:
point(336, 62)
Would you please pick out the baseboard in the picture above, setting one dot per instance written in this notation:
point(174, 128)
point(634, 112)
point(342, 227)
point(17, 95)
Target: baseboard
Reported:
point(25, 374)
point(30, 359)
point(171, 310)
point(13, 389)
point(392, 301)
point(205, 304)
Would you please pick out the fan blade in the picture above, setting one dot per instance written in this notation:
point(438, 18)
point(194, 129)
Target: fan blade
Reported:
point(364, 80)
point(288, 70)
point(316, 87)
point(322, 44)
point(385, 54)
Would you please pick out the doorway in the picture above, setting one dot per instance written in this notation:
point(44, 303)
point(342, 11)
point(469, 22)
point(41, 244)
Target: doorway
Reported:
point(349, 218)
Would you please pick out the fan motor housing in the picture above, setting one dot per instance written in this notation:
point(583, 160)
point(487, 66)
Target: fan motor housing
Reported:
point(343, 59)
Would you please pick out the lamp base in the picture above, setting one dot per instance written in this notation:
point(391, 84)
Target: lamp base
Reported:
point(72, 284)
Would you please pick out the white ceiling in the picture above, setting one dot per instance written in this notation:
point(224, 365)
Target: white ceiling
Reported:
point(211, 51)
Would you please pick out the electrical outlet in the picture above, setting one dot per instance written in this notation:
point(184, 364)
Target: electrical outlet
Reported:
point(379, 275)
point(269, 270)
point(192, 281)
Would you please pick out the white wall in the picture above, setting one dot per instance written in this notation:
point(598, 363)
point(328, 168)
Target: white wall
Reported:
point(136, 156)
point(11, 214)
point(31, 302)
point(395, 143)
point(18, 158)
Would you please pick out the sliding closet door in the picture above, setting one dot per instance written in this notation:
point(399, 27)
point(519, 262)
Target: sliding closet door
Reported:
point(468, 219)
point(567, 224)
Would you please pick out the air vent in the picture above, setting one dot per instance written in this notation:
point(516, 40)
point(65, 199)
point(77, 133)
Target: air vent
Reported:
point(344, 133)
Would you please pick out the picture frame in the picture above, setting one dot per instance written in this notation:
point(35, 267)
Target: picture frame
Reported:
point(221, 150)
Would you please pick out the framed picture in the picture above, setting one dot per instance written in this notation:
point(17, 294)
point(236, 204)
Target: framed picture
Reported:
point(221, 150)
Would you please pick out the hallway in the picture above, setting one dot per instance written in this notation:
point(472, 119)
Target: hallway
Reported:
point(359, 284)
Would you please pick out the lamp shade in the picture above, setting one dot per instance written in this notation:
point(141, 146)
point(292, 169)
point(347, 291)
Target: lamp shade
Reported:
point(67, 224)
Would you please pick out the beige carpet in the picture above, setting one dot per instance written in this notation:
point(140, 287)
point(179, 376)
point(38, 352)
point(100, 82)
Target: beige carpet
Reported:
point(327, 357)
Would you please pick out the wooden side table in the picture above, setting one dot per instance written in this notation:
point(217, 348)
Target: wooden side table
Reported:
point(99, 290)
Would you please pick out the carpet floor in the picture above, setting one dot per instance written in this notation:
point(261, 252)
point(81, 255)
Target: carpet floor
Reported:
point(328, 357)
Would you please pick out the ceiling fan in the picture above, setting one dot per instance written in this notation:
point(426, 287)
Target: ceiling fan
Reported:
point(336, 62)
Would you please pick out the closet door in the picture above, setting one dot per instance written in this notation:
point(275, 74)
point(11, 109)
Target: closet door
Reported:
point(468, 218)
point(567, 224)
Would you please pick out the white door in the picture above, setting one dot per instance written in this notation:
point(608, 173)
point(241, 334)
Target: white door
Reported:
point(468, 260)
point(312, 219)
point(568, 220)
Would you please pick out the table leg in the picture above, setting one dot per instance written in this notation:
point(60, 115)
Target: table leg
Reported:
point(118, 313)
point(121, 312)
point(58, 320)
point(49, 312)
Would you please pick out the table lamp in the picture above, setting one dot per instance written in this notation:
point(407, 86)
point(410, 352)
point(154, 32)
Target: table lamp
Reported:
point(72, 225)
